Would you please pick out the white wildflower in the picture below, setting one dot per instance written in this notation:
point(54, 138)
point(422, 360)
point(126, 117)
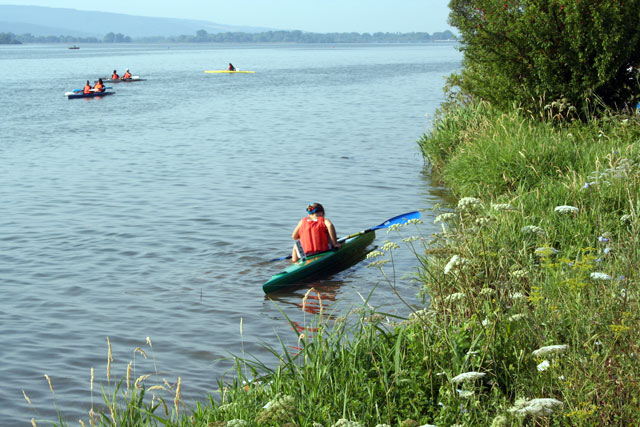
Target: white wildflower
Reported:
point(421, 314)
point(502, 207)
point(626, 218)
point(410, 239)
point(464, 393)
point(550, 349)
point(487, 291)
point(516, 317)
point(378, 263)
point(482, 221)
point(500, 421)
point(374, 254)
point(545, 251)
point(445, 217)
point(596, 275)
point(394, 227)
point(533, 229)
point(415, 221)
point(237, 423)
point(343, 422)
point(467, 376)
point(227, 407)
point(535, 407)
point(468, 203)
point(486, 322)
point(566, 209)
point(455, 297)
point(517, 295)
point(518, 274)
point(543, 366)
point(454, 262)
point(389, 246)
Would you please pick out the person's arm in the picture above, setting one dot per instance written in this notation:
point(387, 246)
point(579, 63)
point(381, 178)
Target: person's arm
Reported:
point(296, 231)
point(332, 233)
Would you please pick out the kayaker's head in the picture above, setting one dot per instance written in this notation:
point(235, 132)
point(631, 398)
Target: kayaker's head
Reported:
point(100, 80)
point(315, 208)
point(114, 71)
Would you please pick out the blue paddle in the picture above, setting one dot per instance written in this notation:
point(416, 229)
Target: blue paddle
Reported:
point(400, 219)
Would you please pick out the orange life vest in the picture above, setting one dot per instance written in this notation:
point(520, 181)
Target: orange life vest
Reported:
point(98, 87)
point(87, 88)
point(314, 235)
point(114, 76)
point(127, 75)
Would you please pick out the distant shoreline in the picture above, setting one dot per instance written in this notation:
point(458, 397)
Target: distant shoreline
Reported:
point(202, 36)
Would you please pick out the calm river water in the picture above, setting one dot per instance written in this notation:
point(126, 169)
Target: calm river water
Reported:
point(154, 212)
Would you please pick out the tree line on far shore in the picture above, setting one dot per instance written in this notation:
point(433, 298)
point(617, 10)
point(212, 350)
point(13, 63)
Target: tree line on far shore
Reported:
point(203, 36)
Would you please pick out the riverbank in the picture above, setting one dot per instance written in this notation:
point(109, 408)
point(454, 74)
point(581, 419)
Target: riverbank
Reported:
point(533, 300)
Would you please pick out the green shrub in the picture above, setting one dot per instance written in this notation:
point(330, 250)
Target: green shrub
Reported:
point(567, 53)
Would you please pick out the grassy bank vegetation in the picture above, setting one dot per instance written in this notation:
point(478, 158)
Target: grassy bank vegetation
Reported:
point(533, 309)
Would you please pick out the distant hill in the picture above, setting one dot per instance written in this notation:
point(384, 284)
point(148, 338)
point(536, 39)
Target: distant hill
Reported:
point(48, 21)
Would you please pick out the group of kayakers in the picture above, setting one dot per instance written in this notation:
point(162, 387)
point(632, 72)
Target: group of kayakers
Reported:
point(98, 87)
point(115, 76)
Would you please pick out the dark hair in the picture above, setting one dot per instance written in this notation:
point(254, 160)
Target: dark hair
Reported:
point(315, 208)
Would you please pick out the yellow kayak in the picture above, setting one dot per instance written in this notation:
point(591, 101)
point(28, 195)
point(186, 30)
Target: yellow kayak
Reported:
point(228, 71)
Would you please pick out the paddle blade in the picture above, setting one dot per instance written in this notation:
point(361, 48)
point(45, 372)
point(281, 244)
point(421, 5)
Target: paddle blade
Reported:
point(400, 219)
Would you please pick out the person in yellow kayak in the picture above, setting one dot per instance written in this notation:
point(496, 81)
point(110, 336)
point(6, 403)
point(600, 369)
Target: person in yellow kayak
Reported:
point(87, 88)
point(231, 67)
point(115, 76)
point(98, 87)
point(315, 232)
point(127, 75)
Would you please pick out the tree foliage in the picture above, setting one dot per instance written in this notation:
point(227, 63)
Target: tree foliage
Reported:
point(8, 38)
point(297, 36)
point(525, 51)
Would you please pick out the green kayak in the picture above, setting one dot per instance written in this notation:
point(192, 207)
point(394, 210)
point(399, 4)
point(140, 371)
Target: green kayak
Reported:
point(321, 264)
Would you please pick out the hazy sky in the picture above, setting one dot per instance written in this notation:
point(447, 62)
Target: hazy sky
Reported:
point(306, 15)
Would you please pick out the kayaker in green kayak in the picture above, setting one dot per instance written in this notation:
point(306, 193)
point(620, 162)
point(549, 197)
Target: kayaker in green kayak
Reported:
point(315, 232)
